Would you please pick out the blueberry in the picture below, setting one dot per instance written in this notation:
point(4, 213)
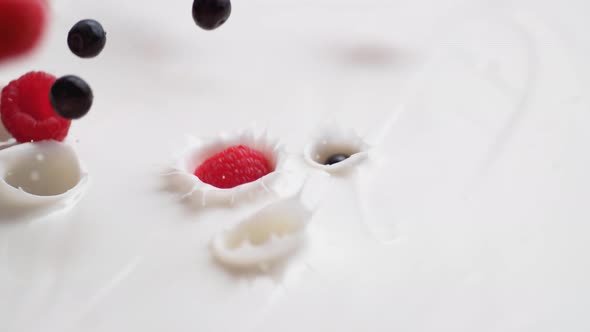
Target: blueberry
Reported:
point(87, 38)
point(70, 97)
point(336, 158)
point(211, 14)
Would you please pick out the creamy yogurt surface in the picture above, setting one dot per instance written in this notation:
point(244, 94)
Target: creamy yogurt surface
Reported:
point(470, 214)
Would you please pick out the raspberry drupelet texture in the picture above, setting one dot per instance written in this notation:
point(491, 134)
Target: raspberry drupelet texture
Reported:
point(233, 166)
point(26, 112)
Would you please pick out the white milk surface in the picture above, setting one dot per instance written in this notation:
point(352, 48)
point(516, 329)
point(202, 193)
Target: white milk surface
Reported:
point(470, 214)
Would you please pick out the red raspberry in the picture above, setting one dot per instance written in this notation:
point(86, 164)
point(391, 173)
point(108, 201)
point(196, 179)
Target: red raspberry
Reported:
point(22, 23)
point(233, 166)
point(26, 112)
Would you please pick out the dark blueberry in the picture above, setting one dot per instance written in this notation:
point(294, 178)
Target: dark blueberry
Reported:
point(336, 158)
point(71, 97)
point(87, 39)
point(211, 14)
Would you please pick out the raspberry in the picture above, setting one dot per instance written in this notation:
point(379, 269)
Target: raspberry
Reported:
point(233, 166)
point(22, 23)
point(26, 112)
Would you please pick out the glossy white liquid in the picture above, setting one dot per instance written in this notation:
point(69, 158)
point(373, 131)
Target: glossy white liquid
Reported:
point(471, 216)
point(39, 179)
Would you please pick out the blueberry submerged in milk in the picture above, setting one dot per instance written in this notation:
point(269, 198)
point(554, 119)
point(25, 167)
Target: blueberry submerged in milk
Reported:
point(336, 158)
point(71, 97)
point(335, 149)
point(211, 14)
point(87, 39)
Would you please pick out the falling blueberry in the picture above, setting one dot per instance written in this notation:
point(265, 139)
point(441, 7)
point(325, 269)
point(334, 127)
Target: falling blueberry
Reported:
point(211, 14)
point(71, 97)
point(87, 38)
point(336, 158)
